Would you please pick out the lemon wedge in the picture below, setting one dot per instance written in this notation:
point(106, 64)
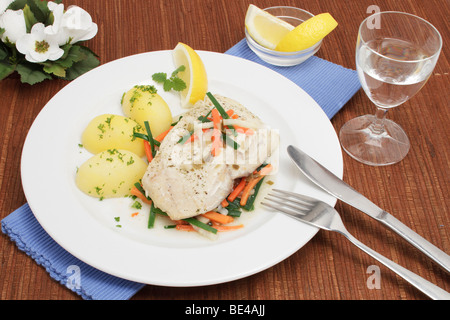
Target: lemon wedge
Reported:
point(307, 33)
point(264, 28)
point(194, 74)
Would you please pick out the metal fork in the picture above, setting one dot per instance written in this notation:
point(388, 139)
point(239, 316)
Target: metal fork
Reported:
point(320, 214)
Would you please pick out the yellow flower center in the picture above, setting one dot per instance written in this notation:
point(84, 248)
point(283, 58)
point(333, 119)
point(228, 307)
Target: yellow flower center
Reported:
point(41, 46)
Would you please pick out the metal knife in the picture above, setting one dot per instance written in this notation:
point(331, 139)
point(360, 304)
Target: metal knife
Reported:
point(325, 179)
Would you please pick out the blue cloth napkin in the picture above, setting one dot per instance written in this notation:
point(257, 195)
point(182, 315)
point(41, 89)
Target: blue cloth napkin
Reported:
point(91, 284)
point(330, 85)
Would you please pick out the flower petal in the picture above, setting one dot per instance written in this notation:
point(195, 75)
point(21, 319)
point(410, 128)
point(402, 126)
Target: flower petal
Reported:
point(58, 11)
point(37, 56)
point(78, 24)
point(24, 43)
point(55, 53)
point(38, 31)
point(14, 24)
point(4, 4)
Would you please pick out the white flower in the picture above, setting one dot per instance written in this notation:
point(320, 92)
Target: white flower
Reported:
point(79, 25)
point(14, 24)
point(4, 4)
point(71, 26)
point(38, 46)
point(58, 11)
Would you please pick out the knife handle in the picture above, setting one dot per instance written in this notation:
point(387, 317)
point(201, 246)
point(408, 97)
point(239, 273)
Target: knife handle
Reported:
point(433, 252)
point(420, 283)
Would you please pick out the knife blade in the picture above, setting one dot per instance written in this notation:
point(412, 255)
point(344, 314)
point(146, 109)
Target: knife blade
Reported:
point(335, 186)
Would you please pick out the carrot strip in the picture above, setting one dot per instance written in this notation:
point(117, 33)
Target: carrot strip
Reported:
point(135, 192)
point(218, 217)
point(224, 203)
point(253, 182)
point(266, 170)
point(161, 136)
point(180, 222)
point(233, 195)
point(248, 188)
point(134, 214)
point(228, 228)
point(148, 150)
point(230, 112)
point(216, 133)
point(215, 118)
point(249, 132)
point(192, 138)
point(184, 227)
point(240, 129)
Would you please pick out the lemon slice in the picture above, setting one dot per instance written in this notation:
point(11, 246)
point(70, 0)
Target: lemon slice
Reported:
point(265, 28)
point(194, 75)
point(307, 33)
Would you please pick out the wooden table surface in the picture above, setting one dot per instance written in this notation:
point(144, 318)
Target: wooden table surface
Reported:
point(415, 191)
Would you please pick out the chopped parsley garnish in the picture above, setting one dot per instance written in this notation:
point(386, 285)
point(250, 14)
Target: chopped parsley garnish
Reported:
point(136, 205)
point(147, 88)
point(101, 127)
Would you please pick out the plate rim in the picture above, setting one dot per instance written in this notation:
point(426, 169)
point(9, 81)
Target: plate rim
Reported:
point(130, 277)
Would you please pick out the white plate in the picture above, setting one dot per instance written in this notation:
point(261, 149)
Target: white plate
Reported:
point(86, 227)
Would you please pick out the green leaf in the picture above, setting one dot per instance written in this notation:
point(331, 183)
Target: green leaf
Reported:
point(6, 69)
point(72, 54)
point(178, 84)
point(159, 77)
point(3, 52)
point(30, 19)
point(87, 50)
point(167, 85)
point(17, 5)
point(55, 69)
point(179, 69)
point(82, 66)
point(31, 74)
point(173, 82)
point(41, 11)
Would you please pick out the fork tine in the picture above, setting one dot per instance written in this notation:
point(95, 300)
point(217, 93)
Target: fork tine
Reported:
point(281, 209)
point(287, 201)
point(305, 199)
point(303, 208)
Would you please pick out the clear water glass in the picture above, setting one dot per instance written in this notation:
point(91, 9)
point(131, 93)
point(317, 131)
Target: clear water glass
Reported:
point(396, 53)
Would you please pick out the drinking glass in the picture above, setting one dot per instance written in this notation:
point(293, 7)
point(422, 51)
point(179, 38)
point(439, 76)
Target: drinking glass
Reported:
point(395, 54)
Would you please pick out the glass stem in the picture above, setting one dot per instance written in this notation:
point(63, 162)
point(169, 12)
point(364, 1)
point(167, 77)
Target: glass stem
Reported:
point(377, 127)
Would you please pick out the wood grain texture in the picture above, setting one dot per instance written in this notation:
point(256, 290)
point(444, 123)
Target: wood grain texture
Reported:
point(328, 267)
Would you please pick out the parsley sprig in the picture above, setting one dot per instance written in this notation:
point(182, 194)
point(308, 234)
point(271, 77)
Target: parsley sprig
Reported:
point(174, 82)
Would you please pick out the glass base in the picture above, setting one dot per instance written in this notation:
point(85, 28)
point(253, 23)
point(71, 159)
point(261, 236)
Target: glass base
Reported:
point(363, 142)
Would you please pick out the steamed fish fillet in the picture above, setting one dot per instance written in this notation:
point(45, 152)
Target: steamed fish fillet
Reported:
point(185, 180)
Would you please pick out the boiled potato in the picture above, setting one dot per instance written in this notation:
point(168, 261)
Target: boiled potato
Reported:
point(110, 173)
point(143, 103)
point(109, 131)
